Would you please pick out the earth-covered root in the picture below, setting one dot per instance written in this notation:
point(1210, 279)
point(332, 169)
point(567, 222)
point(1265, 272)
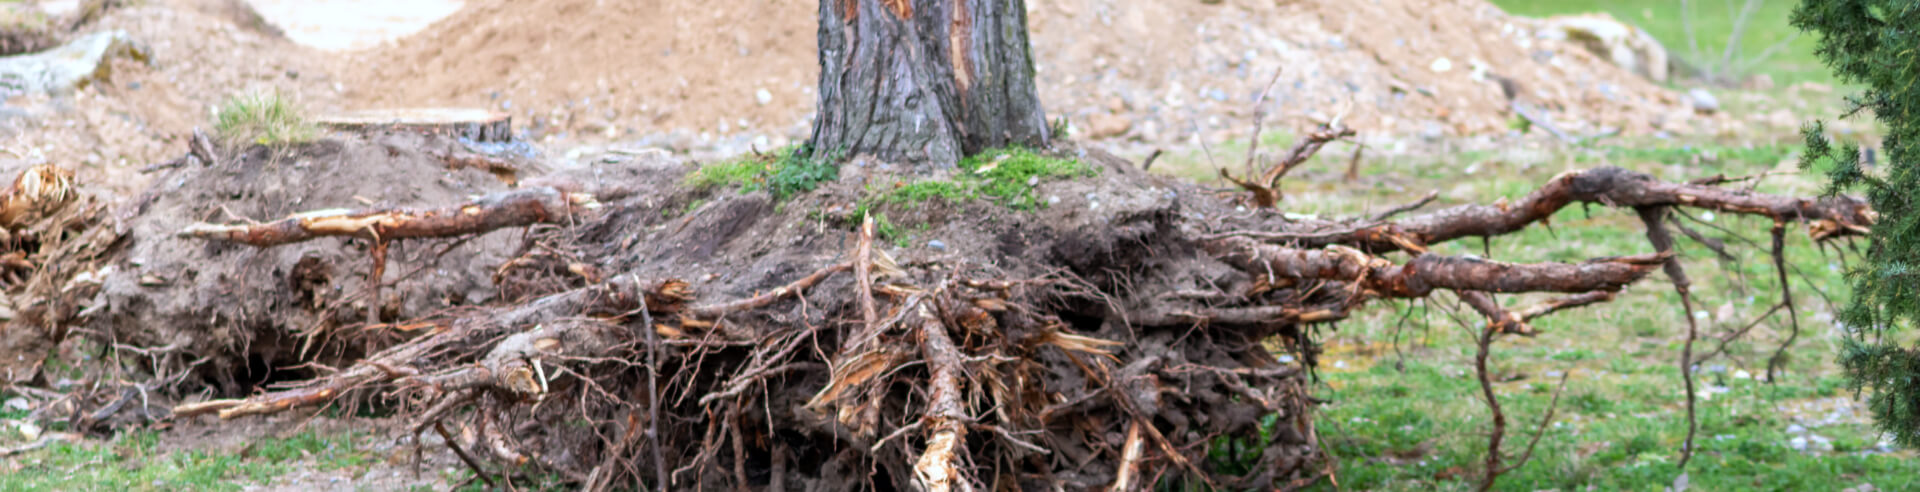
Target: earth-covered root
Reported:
point(189, 314)
point(1111, 340)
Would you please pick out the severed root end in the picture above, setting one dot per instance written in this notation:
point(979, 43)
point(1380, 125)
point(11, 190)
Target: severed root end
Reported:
point(37, 191)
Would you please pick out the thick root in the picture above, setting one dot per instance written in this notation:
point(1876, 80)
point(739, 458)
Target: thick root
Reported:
point(1427, 272)
point(516, 208)
point(1826, 218)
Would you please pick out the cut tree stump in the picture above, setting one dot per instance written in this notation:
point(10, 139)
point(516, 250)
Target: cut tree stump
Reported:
point(476, 124)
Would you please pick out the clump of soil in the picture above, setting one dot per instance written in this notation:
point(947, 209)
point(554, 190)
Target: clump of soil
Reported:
point(1154, 71)
point(253, 312)
point(25, 30)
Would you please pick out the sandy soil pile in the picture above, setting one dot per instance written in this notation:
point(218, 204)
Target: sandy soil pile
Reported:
point(1154, 71)
point(1410, 67)
point(142, 111)
point(589, 65)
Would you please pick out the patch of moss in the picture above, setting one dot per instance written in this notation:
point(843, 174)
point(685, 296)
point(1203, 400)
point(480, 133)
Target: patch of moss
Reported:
point(1005, 176)
point(1008, 175)
point(784, 172)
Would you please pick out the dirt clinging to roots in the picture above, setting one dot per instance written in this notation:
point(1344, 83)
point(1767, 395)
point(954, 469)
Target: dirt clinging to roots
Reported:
point(618, 325)
point(253, 312)
point(1039, 375)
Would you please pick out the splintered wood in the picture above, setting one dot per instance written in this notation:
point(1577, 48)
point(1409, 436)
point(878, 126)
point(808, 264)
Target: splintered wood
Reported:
point(36, 192)
point(938, 469)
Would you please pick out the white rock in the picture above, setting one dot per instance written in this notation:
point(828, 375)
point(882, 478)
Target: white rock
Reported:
point(762, 96)
point(1820, 443)
point(1441, 65)
point(1703, 101)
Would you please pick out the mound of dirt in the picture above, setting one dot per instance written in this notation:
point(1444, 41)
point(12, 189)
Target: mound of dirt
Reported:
point(251, 311)
point(1154, 71)
point(591, 66)
point(140, 113)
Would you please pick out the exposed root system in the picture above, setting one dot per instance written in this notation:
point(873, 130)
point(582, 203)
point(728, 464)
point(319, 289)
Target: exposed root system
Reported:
point(624, 339)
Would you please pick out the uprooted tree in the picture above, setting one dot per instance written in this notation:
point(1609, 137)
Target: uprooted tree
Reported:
point(615, 328)
point(926, 81)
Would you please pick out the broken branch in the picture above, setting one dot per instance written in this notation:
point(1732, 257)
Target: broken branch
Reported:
point(1611, 186)
point(1427, 272)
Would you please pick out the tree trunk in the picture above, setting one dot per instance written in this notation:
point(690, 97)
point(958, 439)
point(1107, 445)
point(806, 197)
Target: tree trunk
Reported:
point(925, 82)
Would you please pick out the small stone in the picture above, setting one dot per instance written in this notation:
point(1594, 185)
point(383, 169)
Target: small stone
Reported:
point(1796, 429)
point(17, 403)
point(762, 96)
point(1820, 443)
point(1441, 65)
point(1798, 443)
point(1035, 181)
point(1105, 125)
point(937, 245)
point(1703, 101)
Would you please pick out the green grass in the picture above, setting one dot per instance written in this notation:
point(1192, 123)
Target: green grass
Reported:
point(264, 118)
point(134, 461)
point(1713, 22)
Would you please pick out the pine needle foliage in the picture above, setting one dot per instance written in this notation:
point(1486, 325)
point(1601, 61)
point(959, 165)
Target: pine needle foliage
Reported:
point(1873, 43)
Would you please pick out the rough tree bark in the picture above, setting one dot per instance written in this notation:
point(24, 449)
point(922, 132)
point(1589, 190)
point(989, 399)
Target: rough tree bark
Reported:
point(925, 81)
